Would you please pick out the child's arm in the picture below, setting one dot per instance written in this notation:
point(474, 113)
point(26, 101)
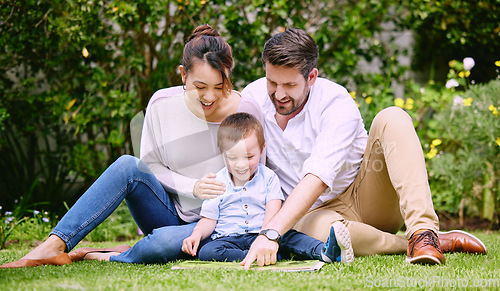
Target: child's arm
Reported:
point(202, 230)
point(272, 207)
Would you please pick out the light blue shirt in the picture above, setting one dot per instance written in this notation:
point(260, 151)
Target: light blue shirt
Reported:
point(242, 209)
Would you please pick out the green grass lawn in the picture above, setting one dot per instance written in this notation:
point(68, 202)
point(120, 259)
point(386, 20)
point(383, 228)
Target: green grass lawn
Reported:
point(382, 272)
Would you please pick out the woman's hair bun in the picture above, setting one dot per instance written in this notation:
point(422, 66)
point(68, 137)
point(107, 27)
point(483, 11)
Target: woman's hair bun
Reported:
point(204, 29)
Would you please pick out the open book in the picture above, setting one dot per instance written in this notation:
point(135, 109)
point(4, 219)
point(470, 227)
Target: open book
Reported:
point(280, 266)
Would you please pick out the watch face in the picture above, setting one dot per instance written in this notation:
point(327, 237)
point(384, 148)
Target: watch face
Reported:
point(271, 234)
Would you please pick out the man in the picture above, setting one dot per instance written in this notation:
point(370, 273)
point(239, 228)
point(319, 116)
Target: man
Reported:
point(331, 170)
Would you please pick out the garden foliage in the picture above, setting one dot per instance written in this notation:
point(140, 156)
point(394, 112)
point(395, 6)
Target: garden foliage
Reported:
point(74, 73)
point(447, 30)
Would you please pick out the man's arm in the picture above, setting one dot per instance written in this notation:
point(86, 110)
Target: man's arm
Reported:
point(295, 206)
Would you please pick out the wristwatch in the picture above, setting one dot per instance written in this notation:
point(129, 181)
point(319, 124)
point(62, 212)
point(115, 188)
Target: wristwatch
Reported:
point(271, 234)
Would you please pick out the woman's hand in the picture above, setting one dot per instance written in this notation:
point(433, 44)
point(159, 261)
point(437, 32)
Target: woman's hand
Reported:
point(208, 188)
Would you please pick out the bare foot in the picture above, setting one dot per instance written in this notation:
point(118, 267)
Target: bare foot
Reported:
point(100, 256)
point(53, 246)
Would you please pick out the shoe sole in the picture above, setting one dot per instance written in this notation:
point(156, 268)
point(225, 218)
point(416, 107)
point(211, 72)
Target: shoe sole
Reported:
point(344, 242)
point(425, 260)
point(466, 233)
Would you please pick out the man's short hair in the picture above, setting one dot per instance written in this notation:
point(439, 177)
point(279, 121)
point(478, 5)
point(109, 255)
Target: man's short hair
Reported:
point(236, 127)
point(293, 48)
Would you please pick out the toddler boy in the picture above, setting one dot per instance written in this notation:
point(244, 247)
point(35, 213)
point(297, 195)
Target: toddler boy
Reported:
point(252, 198)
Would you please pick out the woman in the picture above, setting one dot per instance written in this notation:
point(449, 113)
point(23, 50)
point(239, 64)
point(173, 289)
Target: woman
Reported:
point(164, 190)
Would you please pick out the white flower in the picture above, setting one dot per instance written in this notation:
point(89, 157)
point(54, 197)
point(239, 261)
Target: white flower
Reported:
point(8, 213)
point(45, 219)
point(35, 212)
point(0, 207)
point(9, 219)
point(469, 63)
point(451, 83)
point(458, 100)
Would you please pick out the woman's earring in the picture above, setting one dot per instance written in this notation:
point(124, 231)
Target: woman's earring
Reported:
point(184, 87)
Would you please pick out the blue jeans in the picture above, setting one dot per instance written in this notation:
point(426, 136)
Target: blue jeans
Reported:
point(235, 248)
point(151, 206)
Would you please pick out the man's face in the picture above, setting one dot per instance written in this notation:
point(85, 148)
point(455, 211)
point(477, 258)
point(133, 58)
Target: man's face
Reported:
point(287, 88)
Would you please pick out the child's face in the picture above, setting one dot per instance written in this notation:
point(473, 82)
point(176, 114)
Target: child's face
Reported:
point(243, 159)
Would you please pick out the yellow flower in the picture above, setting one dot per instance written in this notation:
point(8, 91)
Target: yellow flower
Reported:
point(70, 104)
point(497, 63)
point(85, 52)
point(493, 110)
point(431, 154)
point(409, 104)
point(452, 63)
point(353, 94)
point(368, 100)
point(399, 102)
point(467, 74)
point(203, 2)
point(498, 141)
point(461, 74)
point(357, 104)
point(436, 142)
point(467, 101)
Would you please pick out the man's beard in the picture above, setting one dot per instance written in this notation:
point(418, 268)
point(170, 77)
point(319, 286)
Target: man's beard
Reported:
point(285, 111)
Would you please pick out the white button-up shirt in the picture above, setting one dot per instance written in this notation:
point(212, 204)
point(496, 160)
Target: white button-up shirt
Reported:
point(326, 139)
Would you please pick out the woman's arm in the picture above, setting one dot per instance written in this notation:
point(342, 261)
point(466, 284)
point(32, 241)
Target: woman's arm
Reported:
point(152, 155)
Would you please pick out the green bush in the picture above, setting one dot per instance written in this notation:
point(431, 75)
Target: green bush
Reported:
point(447, 30)
point(118, 226)
point(36, 226)
point(461, 137)
point(74, 73)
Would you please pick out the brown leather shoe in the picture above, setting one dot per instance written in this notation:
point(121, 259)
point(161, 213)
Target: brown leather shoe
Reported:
point(423, 248)
point(460, 242)
point(61, 259)
point(79, 254)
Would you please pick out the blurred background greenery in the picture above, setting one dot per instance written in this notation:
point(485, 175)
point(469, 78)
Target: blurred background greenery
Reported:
point(74, 73)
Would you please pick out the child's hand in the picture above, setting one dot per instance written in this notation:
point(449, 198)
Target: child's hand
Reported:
point(190, 245)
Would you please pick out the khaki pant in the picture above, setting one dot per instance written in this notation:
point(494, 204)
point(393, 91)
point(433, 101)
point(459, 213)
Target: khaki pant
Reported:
point(390, 189)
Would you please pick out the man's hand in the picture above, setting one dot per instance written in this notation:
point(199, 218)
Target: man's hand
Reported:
point(208, 188)
point(263, 250)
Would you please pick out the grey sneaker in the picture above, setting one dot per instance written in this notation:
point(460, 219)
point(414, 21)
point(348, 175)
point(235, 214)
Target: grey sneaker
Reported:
point(338, 247)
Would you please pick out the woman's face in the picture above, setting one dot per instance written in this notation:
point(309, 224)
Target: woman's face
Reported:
point(204, 93)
